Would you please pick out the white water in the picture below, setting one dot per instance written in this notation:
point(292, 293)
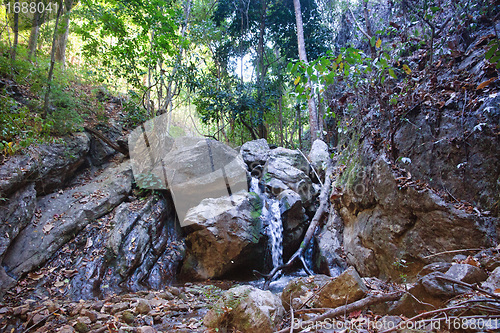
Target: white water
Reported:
point(271, 216)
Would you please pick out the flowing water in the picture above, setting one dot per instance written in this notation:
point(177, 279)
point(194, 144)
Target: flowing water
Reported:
point(271, 218)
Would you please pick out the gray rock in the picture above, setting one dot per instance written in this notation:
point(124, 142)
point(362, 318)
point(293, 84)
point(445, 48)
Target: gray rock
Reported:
point(192, 168)
point(415, 301)
point(99, 151)
point(50, 166)
point(247, 309)
point(439, 266)
point(440, 288)
point(319, 156)
point(466, 273)
point(275, 186)
point(299, 290)
point(63, 216)
point(329, 257)
point(493, 282)
point(294, 221)
point(224, 235)
point(255, 152)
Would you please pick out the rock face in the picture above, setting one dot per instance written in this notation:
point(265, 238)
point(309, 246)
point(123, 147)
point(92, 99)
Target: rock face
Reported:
point(329, 257)
point(246, 309)
point(61, 218)
point(223, 237)
point(385, 221)
point(50, 166)
point(319, 156)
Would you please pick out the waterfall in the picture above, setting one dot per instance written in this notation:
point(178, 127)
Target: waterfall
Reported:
point(271, 218)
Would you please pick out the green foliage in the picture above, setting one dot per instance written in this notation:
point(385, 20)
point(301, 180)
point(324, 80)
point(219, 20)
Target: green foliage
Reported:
point(493, 53)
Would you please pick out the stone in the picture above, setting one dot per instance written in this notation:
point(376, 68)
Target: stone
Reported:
point(344, 289)
point(91, 314)
point(100, 152)
point(292, 169)
point(63, 216)
point(466, 273)
point(492, 283)
point(319, 156)
point(146, 329)
point(128, 316)
point(440, 288)
point(439, 266)
point(247, 309)
point(415, 301)
point(66, 329)
point(255, 152)
point(302, 288)
point(224, 235)
point(82, 325)
point(294, 221)
point(142, 307)
point(166, 295)
point(329, 257)
point(489, 259)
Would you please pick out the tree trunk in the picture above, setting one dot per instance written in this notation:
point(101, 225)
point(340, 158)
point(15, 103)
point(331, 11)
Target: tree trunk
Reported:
point(62, 38)
point(35, 31)
point(16, 32)
point(311, 101)
point(52, 62)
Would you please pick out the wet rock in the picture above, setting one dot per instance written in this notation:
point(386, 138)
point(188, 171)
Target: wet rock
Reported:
point(294, 221)
point(291, 168)
point(319, 156)
point(329, 258)
point(63, 216)
point(385, 222)
point(255, 152)
point(50, 166)
point(224, 236)
point(493, 282)
point(247, 309)
point(100, 151)
point(275, 186)
point(466, 273)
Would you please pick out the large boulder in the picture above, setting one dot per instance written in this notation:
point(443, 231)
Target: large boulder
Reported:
point(386, 221)
point(99, 151)
point(321, 291)
point(224, 236)
point(62, 216)
point(193, 168)
point(319, 156)
point(255, 152)
point(294, 221)
point(292, 169)
point(50, 166)
point(329, 256)
point(246, 309)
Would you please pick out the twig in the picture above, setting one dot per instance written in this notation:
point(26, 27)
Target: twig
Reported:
point(452, 251)
point(291, 313)
point(40, 322)
point(312, 167)
point(107, 141)
point(362, 303)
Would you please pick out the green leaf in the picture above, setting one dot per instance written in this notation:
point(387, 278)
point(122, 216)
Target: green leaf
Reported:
point(491, 51)
point(435, 9)
point(325, 62)
point(289, 67)
point(391, 73)
point(495, 59)
point(373, 41)
point(382, 80)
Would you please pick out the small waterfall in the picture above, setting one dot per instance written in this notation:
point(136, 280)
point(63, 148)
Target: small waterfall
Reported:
point(271, 217)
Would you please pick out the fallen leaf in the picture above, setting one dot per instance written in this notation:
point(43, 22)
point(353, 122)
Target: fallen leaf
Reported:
point(59, 284)
point(47, 228)
point(89, 243)
point(485, 83)
point(35, 276)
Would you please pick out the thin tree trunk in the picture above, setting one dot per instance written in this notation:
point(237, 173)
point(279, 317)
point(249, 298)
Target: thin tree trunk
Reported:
point(280, 105)
point(35, 31)
point(311, 100)
point(62, 38)
point(52, 62)
point(299, 120)
point(16, 32)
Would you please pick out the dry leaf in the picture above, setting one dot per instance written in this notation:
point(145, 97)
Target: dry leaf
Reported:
point(59, 284)
point(35, 276)
point(485, 83)
point(89, 243)
point(47, 228)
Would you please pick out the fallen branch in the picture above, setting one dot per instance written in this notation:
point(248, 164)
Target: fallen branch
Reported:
point(107, 141)
point(318, 217)
point(470, 286)
point(362, 303)
point(449, 252)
